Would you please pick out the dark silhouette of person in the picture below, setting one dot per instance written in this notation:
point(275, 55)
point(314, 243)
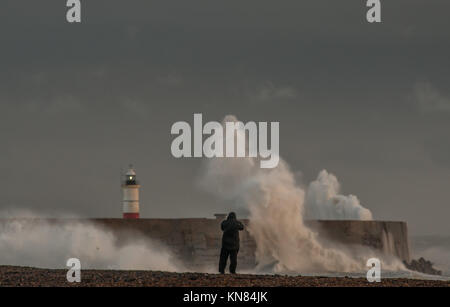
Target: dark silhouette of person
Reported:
point(230, 242)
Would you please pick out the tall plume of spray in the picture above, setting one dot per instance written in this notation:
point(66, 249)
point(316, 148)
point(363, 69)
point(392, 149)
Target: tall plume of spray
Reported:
point(275, 203)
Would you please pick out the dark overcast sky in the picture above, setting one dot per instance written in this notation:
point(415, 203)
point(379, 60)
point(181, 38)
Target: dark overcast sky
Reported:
point(368, 102)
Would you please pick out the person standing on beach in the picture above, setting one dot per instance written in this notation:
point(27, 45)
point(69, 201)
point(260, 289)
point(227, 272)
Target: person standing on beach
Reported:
point(230, 243)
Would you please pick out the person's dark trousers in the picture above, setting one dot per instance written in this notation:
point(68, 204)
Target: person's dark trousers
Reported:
point(224, 253)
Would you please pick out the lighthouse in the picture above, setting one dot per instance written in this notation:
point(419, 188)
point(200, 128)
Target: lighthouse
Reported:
point(130, 195)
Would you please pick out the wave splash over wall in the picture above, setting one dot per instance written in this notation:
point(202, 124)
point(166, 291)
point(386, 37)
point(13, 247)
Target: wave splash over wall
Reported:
point(323, 201)
point(45, 244)
point(276, 206)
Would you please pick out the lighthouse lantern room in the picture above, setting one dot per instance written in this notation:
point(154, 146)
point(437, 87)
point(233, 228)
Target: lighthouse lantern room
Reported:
point(130, 195)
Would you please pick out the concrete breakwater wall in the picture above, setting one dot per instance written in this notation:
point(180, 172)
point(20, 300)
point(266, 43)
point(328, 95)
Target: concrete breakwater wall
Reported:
point(197, 240)
point(386, 236)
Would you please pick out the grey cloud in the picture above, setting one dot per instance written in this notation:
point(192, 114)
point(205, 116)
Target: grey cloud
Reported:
point(270, 92)
point(430, 99)
point(438, 150)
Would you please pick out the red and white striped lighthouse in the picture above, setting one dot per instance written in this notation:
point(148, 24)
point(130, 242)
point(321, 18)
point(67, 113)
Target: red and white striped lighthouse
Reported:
point(130, 195)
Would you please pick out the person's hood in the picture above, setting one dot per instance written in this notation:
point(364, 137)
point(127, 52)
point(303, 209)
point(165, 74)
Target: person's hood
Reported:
point(231, 216)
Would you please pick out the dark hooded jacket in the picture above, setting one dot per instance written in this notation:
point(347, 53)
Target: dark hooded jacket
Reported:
point(231, 227)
